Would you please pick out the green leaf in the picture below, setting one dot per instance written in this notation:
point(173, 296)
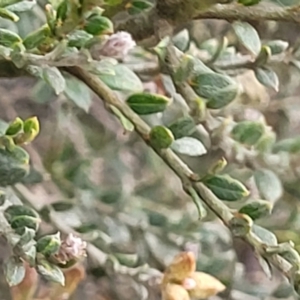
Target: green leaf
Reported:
point(182, 127)
point(247, 132)
point(138, 6)
point(219, 90)
point(127, 125)
point(50, 272)
point(161, 137)
point(27, 236)
point(257, 209)
point(189, 146)
point(62, 206)
point(248, 36)
point(267, 77)
point(20, 222)
point(78, 92)
point(277, 46)
point(265, 235)
point(20, 155)
point(29, 253)
point(97, 25)
point(291, 145)
point(49, 244)
point(54, 78)
point(78, 38)
point(129, 260)
point(268, 184)
point(14, 127)
point(12, 170)
point(200, 68)
point(122, 79)
point(144, 103)
point(14, 271)
point(22, 6)
point(266, 142)
point(9, 38)
point(19, 210)
point(249, 2)
point(226, 188)
point(37, 37)
point(6, 14)
point(4, 3)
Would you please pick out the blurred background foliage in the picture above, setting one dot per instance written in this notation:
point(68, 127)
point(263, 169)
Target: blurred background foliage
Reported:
point(108, 185)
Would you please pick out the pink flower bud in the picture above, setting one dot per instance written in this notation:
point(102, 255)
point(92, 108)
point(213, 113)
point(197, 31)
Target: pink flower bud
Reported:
point(73, 248)
point(118, 45)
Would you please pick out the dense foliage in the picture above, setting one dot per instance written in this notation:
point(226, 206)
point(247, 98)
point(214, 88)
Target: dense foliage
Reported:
point(147, 151)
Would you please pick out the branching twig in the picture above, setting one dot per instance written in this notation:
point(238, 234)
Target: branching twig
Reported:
point(181, 169)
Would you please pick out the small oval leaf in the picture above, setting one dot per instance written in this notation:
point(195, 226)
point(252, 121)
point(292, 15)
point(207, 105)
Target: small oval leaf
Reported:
point(189, 146)
point(182, 127)
point(226, 188)
point(267, 77)
point(161, 137)
point(291, 145)
point(265, 235)
point(144, 104)
point(50, 272)
point(248, 36)
point(122, 78)
point(14, 270)
point(219, 90)
point(257, 209)
point(247, 132)
point(268, 184)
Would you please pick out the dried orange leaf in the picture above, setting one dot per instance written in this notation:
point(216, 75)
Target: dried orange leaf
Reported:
point(206, 286)
point(182, 266)
point(174, 292)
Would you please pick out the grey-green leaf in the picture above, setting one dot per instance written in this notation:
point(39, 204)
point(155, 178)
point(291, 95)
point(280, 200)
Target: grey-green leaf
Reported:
point(122, 79)
point(267, 77)
point(78, 92)
point(21, 6)
point(277, 46)
point(189, 146)
point(291, 145)
point(183, 127)
point(265, 235)
point(268, 184)
point(50, 272)
point(54, 78)
point(226, 188)
point(14, 270)
point(181, 40)
point(218, 89)
point(248, 36)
